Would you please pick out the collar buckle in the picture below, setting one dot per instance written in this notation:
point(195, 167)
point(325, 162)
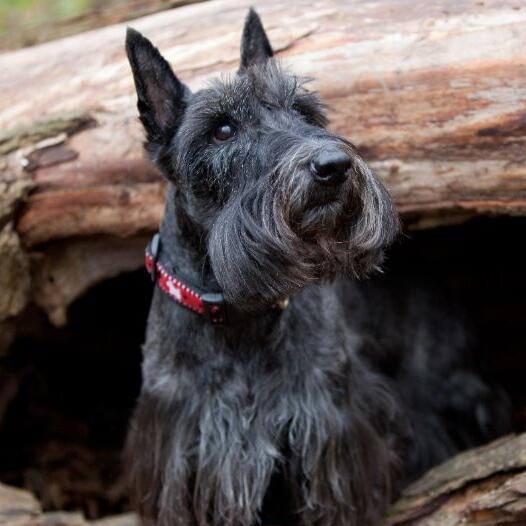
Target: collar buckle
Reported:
point(214, 308)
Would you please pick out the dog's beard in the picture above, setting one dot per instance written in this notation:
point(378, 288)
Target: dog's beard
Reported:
point(283, 233)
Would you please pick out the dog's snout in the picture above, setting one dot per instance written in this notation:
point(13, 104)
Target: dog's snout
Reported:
point(330, 167)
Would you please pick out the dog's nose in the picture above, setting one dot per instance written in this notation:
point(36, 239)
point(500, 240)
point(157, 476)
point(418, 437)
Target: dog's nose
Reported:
point(330, 167)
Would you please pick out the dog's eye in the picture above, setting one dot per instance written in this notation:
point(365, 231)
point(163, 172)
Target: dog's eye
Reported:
point(223, 132)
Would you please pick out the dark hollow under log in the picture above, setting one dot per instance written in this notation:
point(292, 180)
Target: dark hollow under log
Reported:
point(66, 393)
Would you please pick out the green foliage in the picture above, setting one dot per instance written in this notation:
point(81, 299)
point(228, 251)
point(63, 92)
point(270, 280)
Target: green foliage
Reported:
point(17, 14)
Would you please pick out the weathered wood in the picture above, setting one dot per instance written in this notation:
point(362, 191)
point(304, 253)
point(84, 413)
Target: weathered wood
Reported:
point(483, 486)
point(14, 267)
point(433, 93)
point(20, 508)
point(17, 507)
point(127, 519)
point(66, 270)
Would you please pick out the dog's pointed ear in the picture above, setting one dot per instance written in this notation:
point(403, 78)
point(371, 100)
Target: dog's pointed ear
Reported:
point(255, 46)
point(161, 97)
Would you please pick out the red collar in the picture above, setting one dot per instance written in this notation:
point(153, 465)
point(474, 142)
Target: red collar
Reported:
point(211, 305)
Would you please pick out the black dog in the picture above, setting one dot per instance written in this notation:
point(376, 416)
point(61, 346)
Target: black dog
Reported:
point(266, 399)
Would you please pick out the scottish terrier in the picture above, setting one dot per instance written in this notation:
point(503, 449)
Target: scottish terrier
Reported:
point(277, 387)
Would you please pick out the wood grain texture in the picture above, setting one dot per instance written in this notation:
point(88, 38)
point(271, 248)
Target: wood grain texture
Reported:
point(17, 507)
point(483, 486)
point(433, 93)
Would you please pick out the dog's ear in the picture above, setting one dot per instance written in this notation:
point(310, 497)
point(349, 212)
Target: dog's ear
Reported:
point(255, 46)
point(161, 97)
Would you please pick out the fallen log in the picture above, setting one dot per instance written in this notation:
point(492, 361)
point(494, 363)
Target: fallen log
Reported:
point(480, 487)
point(483, 486)
point(433, 94)
point(17, 507)
point(20, 508)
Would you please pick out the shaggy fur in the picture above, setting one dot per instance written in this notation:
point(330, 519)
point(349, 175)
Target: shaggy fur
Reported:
point(312, 414)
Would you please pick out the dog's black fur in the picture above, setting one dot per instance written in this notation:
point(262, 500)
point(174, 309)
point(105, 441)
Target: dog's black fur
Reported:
point(317, 410)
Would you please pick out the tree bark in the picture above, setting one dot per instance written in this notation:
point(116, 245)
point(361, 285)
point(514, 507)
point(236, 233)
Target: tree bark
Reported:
point(433, 94)
point(484, 486)
point(20, 508)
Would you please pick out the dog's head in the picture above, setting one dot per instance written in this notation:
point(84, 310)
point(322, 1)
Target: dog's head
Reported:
point(280, 201)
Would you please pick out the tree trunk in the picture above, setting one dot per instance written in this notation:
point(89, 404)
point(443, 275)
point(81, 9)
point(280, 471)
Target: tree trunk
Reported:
point(485, 486)
point(434, 94)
